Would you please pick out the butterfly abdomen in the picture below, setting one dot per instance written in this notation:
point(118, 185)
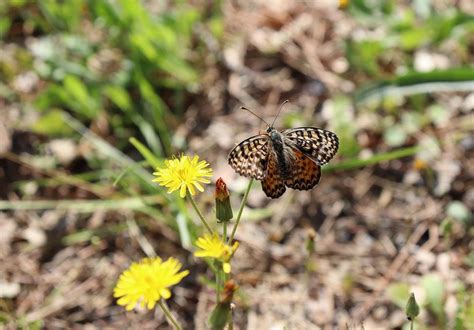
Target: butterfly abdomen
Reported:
point(282, 157)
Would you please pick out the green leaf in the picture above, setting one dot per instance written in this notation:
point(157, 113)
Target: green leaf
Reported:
point(438, 114)
point(434, 288)
point(363, 55)
point(448, 75)
point(5, 24)
point(153, 161)
point(143, 44)
point(395, 136)
point(343, 124)
point(51, 123)
point(412, 83)
point(357, 162)
point(85, 206)
point(465, 312)
point(469, 259)
point(459, 211)
point(219, 316)
point(398, 293)
point(78, 92)
point(414, 38)
point(118, 96)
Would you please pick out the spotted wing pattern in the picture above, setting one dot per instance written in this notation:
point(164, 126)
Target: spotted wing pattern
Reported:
point(305, 172)
point(316, 143)
point(272, 184)
point(250, 157)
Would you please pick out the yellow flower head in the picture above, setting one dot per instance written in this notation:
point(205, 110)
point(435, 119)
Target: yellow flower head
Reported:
point(147, 282)
point(184, 173)
point(211, 246)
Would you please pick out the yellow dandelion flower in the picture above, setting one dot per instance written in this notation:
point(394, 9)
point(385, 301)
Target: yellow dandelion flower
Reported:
point(147, 281)
point(184, 173)
point(211, 246)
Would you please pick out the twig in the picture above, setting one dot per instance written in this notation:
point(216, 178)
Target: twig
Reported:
point(141, 239)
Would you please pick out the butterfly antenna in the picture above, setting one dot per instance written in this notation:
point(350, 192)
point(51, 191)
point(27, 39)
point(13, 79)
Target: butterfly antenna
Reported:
point(281, 107)
point(253, 113)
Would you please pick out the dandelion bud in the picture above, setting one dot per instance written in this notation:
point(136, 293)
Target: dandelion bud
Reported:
point(343, 4)
point(221, 313)
point(223, 208)
point(420, 164)
point(412, 309)
point(310, 241)
point(228, 293)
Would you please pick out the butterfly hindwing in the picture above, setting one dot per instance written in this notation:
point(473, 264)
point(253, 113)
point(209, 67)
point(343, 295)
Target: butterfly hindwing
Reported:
point(305, 172)
point(272, 184)
point(318, 144)
point(249, 158)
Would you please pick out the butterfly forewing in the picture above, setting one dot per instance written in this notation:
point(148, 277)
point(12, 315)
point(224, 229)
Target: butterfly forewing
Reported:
point(249, 158)
point(316, 143)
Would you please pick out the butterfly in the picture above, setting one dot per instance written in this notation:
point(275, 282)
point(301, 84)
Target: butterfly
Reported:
point(290, 158)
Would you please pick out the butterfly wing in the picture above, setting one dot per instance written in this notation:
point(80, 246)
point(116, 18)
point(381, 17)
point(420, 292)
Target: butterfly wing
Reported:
point(305, 172)
point(316, 143)
point(250, 157)
point(272, 184)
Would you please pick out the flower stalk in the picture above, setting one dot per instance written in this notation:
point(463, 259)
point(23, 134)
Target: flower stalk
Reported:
point(169, 316)
point(241, 209)
point(198, 211)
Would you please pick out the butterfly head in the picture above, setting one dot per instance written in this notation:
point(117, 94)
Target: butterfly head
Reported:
point(274, 135)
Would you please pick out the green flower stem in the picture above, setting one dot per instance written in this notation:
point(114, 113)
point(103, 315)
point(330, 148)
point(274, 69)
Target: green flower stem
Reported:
point(200, 215)
point(218, 284)
point(231, 320)
point(239, 215)
point(169, 316)
point(224, 232)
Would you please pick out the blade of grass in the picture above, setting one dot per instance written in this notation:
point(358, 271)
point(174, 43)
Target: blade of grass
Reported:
point(106, 149)
point(88, 234)
point(355, 163)
point(457, 79)
point(84, 206)
point(155, 105)
point(126, 171)
point(57, 176)
point(151, 159)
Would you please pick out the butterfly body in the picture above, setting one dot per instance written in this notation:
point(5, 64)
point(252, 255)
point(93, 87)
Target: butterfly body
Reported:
point(279, 148)
point(291, 158)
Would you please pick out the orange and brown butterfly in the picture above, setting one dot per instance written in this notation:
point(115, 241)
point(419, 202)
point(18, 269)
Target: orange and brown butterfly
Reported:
point(290, 158)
